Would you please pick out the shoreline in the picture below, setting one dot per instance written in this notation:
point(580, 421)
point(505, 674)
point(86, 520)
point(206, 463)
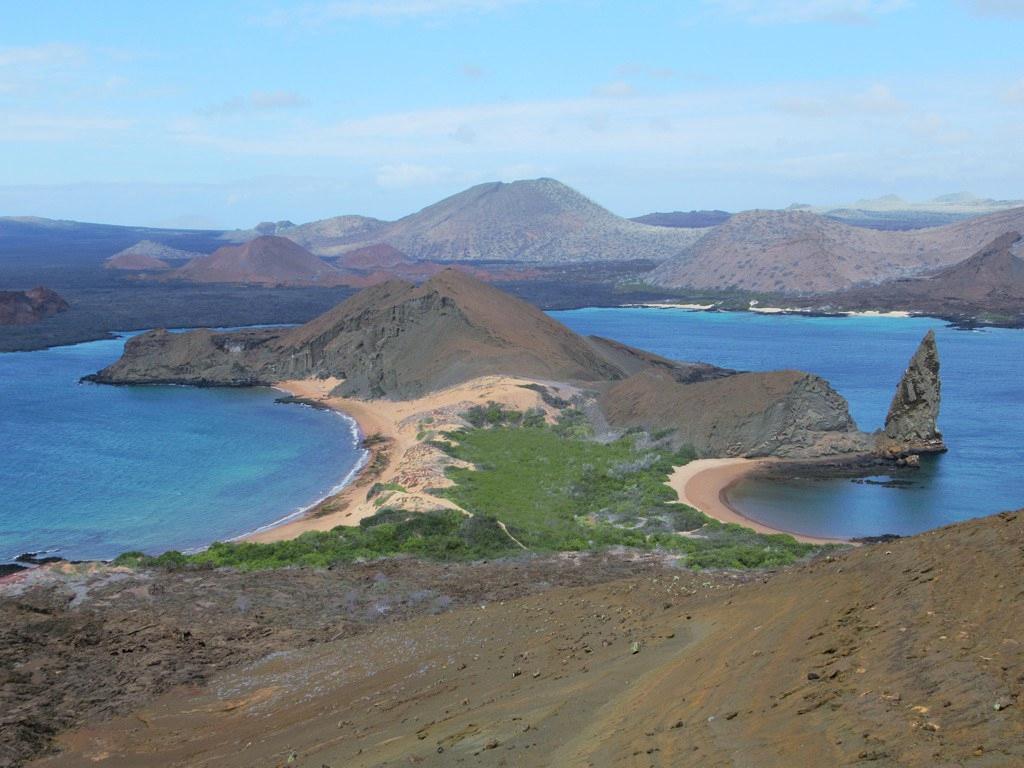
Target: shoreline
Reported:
point(334, 508)
point(400, 467)
point(704, 485)
point(365, 454)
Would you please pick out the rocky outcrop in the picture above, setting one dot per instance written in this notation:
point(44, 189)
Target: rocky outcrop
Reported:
point(911, 425)
point(26, 307)
point(401, 341)
point(393, 340)
point(775, 413)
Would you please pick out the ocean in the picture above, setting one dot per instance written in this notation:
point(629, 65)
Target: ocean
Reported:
point(982, 415)
point(90, 471)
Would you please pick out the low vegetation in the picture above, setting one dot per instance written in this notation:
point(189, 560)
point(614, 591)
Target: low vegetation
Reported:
point(441, 535)
point(554, 488)
point(557, 489)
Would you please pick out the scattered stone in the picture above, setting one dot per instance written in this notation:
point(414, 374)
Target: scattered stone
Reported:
point(1002, 703)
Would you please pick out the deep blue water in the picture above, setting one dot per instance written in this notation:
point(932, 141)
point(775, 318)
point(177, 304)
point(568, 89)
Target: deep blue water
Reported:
point(93, 471)
point(982, 414)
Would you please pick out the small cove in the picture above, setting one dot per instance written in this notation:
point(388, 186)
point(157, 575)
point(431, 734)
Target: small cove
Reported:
point(90, 471)
point(982, 414)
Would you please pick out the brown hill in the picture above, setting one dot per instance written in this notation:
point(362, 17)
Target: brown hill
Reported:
point(393, 339)
point(990, 281)
point(148, 255)
point(907, 653)
point(778, 413)
point(798, 252)
point(26, 307)
point(401, 341)
point(135, 262)
point(539, 220)
point(266, 259)
point(372, 257)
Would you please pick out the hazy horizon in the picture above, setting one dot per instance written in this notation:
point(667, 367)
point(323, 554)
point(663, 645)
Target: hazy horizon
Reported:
point(225, 116)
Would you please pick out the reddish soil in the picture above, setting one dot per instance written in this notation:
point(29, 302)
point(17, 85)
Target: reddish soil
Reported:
point(906, 653)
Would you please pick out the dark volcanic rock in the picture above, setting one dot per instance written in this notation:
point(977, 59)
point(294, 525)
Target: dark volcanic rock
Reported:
point(774, 413)
point(25, 307)
point(910, 426)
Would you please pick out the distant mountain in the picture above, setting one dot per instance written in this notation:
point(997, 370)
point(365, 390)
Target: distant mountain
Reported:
point(989, 282)
point(540, 221)
point(380, 256)
point(136, 262)
point(891, 212)
point(316, 235)
point(268, 260)
point(147, 255)
point(686, 219)
point(28, 240)
point(796, 252)
point(26, 307)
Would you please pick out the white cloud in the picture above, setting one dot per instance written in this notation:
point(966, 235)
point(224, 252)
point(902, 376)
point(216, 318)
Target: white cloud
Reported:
point(875, 99)
point(464, 134)
point(48, 53)
point(1012, 9)
point(803, 11)
point(404, 175)
point(257, 101)
point(27, 68)
point(312, 14)
point(36, 127)
point(618, 89)
point(1015, 93)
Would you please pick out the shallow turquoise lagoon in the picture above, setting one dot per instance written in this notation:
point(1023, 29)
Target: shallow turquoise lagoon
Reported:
point(89, 471)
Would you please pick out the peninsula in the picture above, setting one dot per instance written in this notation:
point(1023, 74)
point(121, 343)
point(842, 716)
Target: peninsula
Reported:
point(398, 357)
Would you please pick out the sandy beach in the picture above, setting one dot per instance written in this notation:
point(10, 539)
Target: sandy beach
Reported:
point(703, 484)
point(401, 459)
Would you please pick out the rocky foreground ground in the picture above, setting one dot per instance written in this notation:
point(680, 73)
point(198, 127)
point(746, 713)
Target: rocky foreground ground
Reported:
point(901, 653)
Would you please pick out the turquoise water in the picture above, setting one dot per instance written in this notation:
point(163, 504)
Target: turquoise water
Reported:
point(91, 471)
point(982, 414)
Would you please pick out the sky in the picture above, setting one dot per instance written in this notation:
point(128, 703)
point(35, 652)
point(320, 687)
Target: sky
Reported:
point(228, 113)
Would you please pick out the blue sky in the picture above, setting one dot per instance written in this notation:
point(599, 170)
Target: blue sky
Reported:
point(234, 112)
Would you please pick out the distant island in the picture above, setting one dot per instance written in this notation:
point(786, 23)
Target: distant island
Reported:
point(28, 307)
